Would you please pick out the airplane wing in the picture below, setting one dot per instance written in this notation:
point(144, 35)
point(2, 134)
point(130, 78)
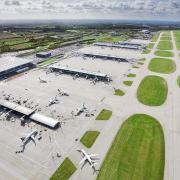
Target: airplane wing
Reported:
point(84, 164)
point(92, 155)
point(83, 160)
point(33, 139)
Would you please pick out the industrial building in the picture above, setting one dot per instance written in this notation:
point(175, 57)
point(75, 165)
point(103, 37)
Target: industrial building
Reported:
point(126, 45)
point(43, 55)
point(31, 114)
point(80, 73)
point(13, 65)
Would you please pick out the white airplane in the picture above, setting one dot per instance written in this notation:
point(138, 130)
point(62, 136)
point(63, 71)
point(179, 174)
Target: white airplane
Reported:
point(81, 110)
point(88, 158)
point(28, 138)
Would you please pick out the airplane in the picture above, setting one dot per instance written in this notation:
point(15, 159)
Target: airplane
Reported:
point(88, 158)
point(81, 110)
point(42, 81)
point(28, 138)
point(62, 93)
point(54, 101)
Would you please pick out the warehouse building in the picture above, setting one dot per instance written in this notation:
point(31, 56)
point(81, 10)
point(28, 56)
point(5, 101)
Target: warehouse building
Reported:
point(10, 66)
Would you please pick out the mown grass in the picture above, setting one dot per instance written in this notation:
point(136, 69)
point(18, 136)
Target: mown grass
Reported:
point(89, 138)
point(162, 65)
point(146, 51)
point(65, 170)
point(131, 75)
point(164, 53)
point(119, 92)
point(127, 83)
point(137, 153)
point(177, 38)
point(165, 38)
point(178, 81)
point(152, 91)
point(140, 63)
point(150, 45)
point(155, 37)
point(135, 67)
point(165, 45)
point(104, 115)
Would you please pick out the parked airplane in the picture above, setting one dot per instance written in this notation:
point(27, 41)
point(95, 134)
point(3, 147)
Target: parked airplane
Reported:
point(54, 101)
point(88, 158)
point(42, 81)
point(81, 110)
point(28, 138)
point(62, 93)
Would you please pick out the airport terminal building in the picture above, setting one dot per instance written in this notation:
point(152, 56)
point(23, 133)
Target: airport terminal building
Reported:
point(14, 65)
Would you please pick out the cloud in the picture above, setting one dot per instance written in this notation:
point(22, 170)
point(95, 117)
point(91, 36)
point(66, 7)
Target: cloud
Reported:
point(93, 8)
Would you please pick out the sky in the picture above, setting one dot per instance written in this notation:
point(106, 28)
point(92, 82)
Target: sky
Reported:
point(90, 9)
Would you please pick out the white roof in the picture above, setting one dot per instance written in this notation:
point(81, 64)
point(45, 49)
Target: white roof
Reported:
point(26, 111)
point(78, 70)
point(9, 62)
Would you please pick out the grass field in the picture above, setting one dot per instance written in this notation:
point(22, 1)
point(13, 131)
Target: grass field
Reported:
point(150, 45)
point(89, 138)
point(178, 81)
point(165, 38)
point(177, 37)
point(162, 65)
point(131, 75)
point(135, 67)
point(155, 37)
point(104, 115)
point(140, 63)
point(152, 91)
point(127, 83)
point(146, 51)
point(65, 170)
point(166, 33)
point(137, 153)
point(164, 53)
point(13, 41)
point(119, 92)
point(165, 45)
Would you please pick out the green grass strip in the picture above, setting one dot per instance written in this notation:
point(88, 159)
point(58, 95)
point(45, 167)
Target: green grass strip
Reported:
point(127, 83)
point(104, 115)
point(164, 53)
point(65, 170)
point(119, 92)
point(89, 138)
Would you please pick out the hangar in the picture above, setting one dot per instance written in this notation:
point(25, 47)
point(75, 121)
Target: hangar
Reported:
point(31, 114)
point(12, 65)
